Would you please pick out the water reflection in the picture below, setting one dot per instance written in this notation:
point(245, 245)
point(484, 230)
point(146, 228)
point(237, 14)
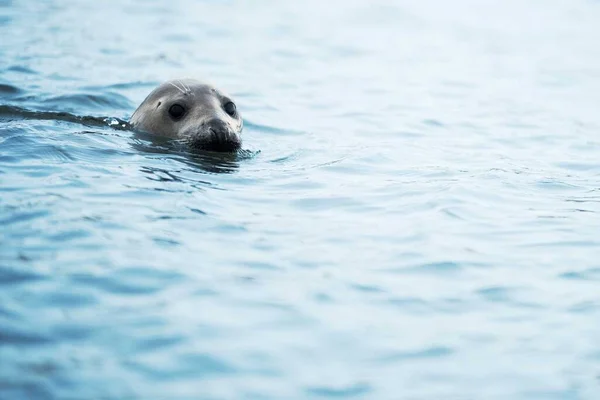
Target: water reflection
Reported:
point(207, 161)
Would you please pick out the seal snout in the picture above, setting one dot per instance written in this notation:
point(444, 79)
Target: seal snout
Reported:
point(217, 135)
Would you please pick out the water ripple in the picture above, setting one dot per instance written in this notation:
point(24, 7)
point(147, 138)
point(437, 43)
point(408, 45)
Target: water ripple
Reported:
point(12, 276)
point(414, 208)
point(132, 281)
point(351, 391)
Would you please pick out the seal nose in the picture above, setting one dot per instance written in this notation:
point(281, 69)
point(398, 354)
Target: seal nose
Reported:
point(222, 138)
point(218, 129)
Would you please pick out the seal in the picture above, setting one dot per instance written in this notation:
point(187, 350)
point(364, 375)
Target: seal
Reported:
point(192, 112)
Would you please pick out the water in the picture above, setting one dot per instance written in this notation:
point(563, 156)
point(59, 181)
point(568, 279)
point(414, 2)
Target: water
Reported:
point(414, 214)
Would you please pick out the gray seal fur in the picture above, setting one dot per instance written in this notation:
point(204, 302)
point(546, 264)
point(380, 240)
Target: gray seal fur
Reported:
point(207, 121)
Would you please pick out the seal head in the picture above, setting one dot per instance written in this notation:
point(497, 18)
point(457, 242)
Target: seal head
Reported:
point(192, 112)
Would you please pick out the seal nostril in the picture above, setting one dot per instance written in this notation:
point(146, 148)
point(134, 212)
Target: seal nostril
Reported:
point(218, 129)
point(218, 136)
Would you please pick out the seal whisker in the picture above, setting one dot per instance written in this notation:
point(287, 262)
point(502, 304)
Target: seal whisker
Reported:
point(187, 88)
point(180, 83)
point(177, 87)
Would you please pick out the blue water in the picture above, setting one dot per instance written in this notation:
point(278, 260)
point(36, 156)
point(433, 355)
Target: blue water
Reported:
point(414, 214)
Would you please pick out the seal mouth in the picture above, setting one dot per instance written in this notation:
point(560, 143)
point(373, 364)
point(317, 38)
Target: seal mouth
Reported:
point(214, 140)
point(222, 146)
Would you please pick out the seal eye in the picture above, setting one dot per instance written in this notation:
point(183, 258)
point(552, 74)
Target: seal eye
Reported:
point(230, 108)
point(176, 111)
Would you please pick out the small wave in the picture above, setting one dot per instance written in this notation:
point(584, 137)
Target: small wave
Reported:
point(21, 69)
point(270, 129)
point(96, 101)
point(7, 91)
point(353, 390)
point(10, 276)
point(124, 85)
point(17, 113)
point(433, 352)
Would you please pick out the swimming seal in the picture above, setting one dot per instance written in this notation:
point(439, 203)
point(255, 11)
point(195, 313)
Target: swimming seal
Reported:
point(192, 112)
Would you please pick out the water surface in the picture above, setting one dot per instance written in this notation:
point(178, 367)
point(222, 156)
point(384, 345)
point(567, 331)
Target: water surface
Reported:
point(414, 215)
